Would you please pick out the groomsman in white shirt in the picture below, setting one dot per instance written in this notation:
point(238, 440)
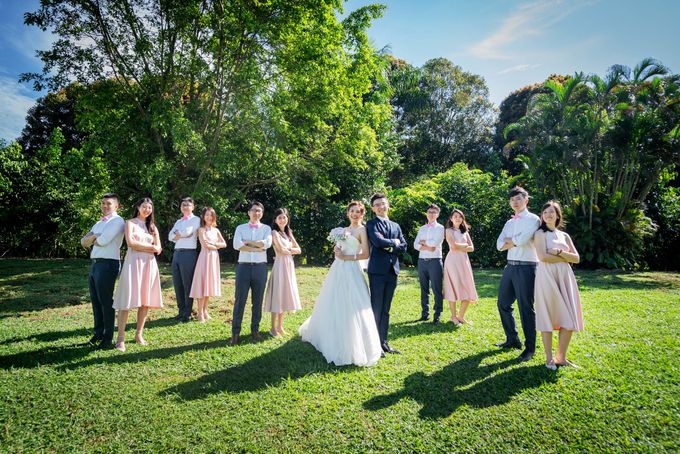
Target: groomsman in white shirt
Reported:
point(252, 241)
point(183, 234)
point(430, 269)
point(105, 238)
point(517, 282)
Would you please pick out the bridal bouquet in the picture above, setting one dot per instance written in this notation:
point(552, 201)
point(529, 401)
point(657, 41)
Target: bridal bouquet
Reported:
point(337, 235)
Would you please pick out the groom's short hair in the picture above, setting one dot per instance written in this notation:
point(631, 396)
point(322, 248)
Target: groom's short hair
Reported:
point(518, 190)
point(376, 196)
point(434, 206)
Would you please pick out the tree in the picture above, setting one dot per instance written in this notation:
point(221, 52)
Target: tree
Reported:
point(600, 145)
point(274, 100)
point(443, 116)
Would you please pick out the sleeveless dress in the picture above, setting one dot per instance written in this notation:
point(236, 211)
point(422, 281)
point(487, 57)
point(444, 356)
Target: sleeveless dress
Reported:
point(206, 280)
point(140, 282)
point(459, 282)
point(282, 290)
point(342, 326)
point(556, 295)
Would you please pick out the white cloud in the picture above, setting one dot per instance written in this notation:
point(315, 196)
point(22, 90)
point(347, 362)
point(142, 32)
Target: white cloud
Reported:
point(15, 104)
point(529, 20)
point(26, 40)
point(519, 68)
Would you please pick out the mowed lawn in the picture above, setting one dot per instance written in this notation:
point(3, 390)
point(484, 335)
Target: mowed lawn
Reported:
point(450, 390)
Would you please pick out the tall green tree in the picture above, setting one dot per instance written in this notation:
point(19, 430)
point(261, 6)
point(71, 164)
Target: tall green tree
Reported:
point(600, 145)
point(443, 116)
point(224, 101)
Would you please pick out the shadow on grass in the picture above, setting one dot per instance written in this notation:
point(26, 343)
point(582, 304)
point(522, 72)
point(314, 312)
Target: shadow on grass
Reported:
point(622, 280)
point(84, 333)
point(441, 393)
point(292, 360)
point(417, 328)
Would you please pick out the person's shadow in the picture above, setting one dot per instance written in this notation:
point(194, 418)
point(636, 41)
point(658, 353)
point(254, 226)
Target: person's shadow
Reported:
point(441, 393)
point(292, 360)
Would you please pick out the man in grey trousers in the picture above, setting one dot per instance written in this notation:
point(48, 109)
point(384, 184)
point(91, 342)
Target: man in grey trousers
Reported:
point(183, 234)
point(252, 241)
point(430, 269)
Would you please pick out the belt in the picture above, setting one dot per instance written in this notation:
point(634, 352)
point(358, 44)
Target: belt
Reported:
point(432, 258)
point(252, 263)
point(104, 260)
point(521, 262)
point(185, 250)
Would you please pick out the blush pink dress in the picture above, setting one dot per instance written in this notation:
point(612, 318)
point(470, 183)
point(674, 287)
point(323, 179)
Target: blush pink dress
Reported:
point(206, 280)
point(282, 290)
point(140, 281)
point(556, 296)
point(459, 282)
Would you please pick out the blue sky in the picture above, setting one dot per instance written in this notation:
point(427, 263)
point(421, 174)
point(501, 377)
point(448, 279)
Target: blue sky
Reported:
point(509, 43)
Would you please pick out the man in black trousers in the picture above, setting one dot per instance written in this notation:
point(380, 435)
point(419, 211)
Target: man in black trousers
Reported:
point(105, 239)
point(383, 265)
point(517, 282)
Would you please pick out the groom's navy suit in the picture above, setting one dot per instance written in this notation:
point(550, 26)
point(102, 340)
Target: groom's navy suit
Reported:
point(383, 268)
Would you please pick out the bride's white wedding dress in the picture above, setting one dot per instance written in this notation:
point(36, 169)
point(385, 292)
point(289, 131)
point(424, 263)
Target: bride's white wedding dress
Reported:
point(342, 326)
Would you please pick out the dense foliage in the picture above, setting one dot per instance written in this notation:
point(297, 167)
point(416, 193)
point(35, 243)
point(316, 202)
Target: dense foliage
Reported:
point(600, 146)
point(289, 104)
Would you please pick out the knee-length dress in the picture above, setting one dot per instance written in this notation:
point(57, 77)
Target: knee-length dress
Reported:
point(140, 282)
point(459, 282)
point(282, 290)
point(556, 297)
point(206, 280)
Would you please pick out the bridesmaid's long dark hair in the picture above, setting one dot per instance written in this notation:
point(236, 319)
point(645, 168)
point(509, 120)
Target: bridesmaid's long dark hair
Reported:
point(464, 226)
point(558, 210)
point(287, 231)
point(150, 223)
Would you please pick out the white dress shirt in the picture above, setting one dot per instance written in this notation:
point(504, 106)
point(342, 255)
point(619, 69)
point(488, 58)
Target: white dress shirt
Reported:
point(110, 232)
point(433, 234)
point(245, 232)
point(520, 228)
point(187, 229)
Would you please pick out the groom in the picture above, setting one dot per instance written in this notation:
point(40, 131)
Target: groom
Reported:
point(383, 265)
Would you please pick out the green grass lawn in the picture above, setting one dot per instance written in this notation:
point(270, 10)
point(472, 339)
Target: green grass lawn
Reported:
point(450, 390)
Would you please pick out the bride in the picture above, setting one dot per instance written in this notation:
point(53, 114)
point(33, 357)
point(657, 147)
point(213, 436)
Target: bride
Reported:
point(342, 326)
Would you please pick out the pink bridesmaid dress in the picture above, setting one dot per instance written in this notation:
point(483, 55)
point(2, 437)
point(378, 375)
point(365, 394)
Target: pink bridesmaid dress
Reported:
point(556, 296)
point(140, 281)
point(459, 282)
point(282, 290)
point(207, 273)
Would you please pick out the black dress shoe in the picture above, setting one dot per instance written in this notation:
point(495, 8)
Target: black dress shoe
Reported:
point(185, 319)
point(177, 317)
point(256, 336)
point(382, 354)
point(387, 349)
point(105, 345)
point(506, 344)
point(525, 356)
point(435, 321)
point(93, 342)
point(423, 318)
point(234, 340)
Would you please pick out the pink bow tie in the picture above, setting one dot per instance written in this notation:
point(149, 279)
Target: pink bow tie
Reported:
point(516, 216)
point(184, 218)
point(105, 218)
point(429, 225)
point(254, 226)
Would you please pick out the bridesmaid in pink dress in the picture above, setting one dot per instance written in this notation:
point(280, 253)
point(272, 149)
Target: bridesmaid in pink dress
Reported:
point(206, 282)
point(282, 291)
point(139, 286)
point(459, 283)
point(556, 295)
